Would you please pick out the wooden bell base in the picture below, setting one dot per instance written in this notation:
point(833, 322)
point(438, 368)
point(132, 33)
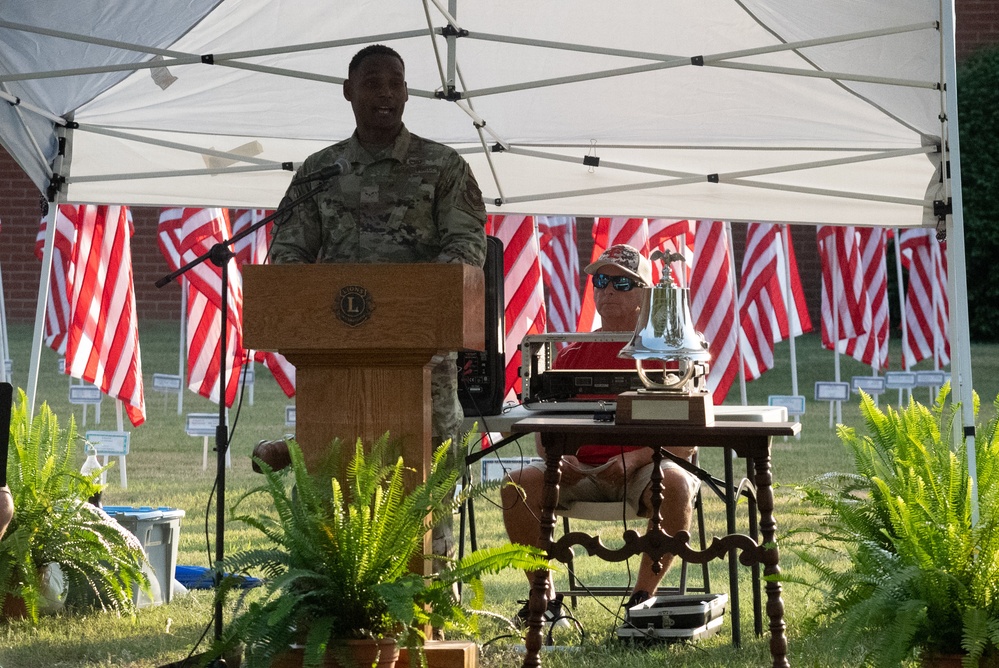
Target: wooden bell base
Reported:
point(665, 408)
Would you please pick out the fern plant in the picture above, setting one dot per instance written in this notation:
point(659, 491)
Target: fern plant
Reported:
point(921, 577)
point(53, 523)
point(339, 566)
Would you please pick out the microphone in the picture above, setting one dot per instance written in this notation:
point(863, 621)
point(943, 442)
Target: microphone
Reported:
point(341, 166)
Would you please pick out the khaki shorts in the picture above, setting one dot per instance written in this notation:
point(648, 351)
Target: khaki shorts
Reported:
point(591, 488)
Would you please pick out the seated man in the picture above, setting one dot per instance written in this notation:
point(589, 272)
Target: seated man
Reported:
point(605, 473)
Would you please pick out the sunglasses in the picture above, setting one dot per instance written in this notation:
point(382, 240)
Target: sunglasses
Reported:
point(620, 283)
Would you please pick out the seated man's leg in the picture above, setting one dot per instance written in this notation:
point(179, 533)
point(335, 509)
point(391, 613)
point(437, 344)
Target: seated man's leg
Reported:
point(522, 505)
point(679, 488)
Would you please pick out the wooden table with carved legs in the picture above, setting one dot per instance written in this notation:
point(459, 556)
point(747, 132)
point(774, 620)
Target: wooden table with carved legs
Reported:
point(749, 440)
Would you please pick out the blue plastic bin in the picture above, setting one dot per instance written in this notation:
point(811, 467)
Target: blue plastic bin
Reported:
point(158, 530)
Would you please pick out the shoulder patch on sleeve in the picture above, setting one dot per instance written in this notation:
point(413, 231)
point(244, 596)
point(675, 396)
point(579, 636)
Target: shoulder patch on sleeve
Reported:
point(472, 195)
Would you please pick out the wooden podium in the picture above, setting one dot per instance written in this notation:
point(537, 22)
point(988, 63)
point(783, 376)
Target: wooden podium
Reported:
point(363, 338)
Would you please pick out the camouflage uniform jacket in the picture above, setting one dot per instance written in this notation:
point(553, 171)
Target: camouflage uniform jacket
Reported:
point(416, 201)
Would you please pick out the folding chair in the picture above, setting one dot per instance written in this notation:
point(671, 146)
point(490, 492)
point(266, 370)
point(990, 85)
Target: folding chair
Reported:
point(622, 511)
point(618, 511)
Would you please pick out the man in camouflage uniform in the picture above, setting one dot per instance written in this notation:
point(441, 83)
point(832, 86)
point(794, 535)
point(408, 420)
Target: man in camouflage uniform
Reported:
point(405, 199)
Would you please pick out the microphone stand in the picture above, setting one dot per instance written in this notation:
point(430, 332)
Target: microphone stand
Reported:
point(220, 254)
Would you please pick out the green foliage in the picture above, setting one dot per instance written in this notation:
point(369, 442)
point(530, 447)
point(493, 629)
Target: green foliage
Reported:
point(978, 102)
point(339, 564)
point(53, 523)
point(920, 576)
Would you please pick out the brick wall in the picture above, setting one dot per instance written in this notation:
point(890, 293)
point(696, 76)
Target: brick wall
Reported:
point(20, 214)
point(977, 25)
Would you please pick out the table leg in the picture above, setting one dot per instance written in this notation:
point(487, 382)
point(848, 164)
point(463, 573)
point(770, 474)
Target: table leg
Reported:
point(754, 533)
point(771, 561)
point(733, 559)
point(538, 600)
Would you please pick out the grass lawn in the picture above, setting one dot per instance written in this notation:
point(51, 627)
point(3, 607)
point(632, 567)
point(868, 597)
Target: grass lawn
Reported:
point(165, 469)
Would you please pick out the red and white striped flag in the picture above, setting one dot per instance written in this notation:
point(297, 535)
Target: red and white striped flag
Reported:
point(170, 232)
point(803, 323)
point(712, 298)
point(871, 346)
point(761, 306)
point(763, 311)
point(202, 228)
point(252, 249)
point(927, 310)
point(102, 343)
point(606, 233)
point(525, 299)
point(560, 270)
point(843, 293)
point(60, 288)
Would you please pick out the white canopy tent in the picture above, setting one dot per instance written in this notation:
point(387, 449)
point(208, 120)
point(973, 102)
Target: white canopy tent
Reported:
point(790, 111)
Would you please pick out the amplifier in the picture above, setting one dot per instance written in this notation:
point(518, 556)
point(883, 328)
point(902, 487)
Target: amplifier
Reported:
point(571, 390)
point(482, 375)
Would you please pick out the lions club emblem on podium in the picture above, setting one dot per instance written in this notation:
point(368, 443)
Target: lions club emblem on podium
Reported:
point(353, 305)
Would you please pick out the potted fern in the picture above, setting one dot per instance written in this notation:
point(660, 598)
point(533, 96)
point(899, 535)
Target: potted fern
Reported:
point(920, 579)
point(54, 524)
point(338, 569)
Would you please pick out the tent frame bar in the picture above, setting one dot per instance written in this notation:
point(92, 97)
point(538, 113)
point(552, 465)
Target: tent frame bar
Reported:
point(742, 53)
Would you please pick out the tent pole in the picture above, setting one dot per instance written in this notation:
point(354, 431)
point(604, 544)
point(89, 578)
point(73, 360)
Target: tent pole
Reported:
point(957, 285)
point(54, 198)
point(901, 307)
point(183, 344)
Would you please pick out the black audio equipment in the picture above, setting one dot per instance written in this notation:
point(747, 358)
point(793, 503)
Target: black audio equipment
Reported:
point(482, 375)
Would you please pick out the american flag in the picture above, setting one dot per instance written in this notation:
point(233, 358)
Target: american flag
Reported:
point(252, 249)
point(803, 323)
point(712, 297)
point(60, 288)
point(843, 294)
point(926, 262)
point(102, 343)
point(560, 270)
point(760, 300)
point(763, 312)
point(871, 346)
point(525, 299)
point(201, 228)
point(170, 232)
point(606, 233)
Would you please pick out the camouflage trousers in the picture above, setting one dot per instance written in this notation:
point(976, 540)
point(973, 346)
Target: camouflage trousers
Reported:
point(446, 424)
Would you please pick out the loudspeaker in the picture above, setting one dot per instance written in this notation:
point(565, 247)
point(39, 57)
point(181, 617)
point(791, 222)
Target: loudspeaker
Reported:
point(482, 375)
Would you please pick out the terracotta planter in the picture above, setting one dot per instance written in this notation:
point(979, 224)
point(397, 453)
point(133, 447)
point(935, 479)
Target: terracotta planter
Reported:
point(365, 653)
point(13, 608)
point(934, 660)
